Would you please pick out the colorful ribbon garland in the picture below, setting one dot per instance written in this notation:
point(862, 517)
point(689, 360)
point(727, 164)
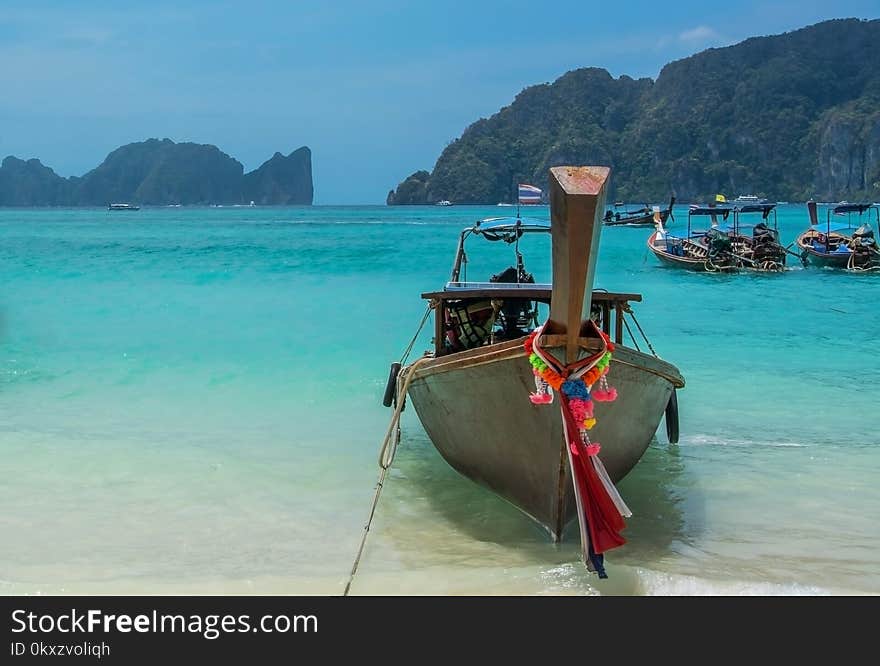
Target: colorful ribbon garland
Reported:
point(600, 507)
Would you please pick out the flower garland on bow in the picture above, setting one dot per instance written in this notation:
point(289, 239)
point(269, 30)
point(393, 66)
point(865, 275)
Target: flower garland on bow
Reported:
point(580, 384)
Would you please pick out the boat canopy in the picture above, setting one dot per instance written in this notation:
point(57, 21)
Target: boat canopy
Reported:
point(763, 208)
point(509, 229)
point(833, 226)
point(843, 209)
point(710, 210)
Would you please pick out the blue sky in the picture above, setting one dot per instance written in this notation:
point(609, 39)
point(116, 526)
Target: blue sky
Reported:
point(376, 89)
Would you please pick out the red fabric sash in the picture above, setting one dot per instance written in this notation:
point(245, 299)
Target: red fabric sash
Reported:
point(603, 519)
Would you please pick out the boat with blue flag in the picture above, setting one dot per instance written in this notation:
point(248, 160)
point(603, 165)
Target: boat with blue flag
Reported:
point(504, 345)
point(847, 242)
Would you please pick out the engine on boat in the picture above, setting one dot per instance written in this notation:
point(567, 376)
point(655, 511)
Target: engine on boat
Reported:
point(865, 252)
point(766, 250)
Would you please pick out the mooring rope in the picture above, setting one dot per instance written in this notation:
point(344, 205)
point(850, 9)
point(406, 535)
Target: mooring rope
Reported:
point(431, 305)
point(631, 336)
point(386, 457)
point(628, 309)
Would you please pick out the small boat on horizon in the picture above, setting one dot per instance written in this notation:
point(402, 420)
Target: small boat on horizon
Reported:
point(748, 199)
point(444, 202)
point(123, 206)
point(471, 392)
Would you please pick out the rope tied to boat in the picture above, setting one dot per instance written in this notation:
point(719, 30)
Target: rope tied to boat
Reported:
point(387, 451)
point(432, 305)
point(628, 310)
point(601, 509)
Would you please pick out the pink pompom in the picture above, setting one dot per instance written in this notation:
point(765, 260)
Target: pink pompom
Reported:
point(593, 449)
point(541, 398)
point(581, 409)
point(574, 449)
point(608, 395)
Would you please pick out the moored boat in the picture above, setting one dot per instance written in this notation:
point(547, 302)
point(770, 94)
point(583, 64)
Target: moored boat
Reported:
point(708, 250)
point(123, 206)
point(728, 244)
point(641, 217)
point(756, 246)
point(847, 244)
point(472, 391)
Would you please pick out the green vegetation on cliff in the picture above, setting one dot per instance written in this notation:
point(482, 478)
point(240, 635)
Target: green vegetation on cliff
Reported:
point(788, 116)
point(155, 172)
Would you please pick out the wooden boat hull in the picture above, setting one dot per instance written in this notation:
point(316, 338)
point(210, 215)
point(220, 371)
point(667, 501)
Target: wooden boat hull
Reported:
point(657, 246)
point(823, 259)
point(474, 405)
point(646, 220)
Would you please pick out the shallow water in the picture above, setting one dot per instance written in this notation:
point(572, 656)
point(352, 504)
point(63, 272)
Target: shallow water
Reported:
point(190, 401)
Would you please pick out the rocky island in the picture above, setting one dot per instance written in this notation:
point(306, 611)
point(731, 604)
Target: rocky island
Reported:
point(788, 116)
point(161, 172)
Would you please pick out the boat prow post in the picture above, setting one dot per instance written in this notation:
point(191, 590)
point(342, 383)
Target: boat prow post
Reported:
point(577, 197)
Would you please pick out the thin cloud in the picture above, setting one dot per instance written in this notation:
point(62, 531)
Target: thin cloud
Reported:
point(702, 34)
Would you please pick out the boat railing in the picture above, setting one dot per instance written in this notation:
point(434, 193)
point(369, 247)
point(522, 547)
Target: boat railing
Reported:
point(611, 306)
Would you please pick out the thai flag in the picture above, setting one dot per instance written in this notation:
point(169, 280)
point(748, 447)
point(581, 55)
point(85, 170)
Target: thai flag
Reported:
point(529, 194)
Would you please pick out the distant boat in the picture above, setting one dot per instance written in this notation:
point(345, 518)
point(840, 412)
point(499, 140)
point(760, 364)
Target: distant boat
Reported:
point(723, 247)
point(642, 217)
point(503, 204)
point(749, 199)
point(849, 245)
point(700, 250)
point(444, 202)
point(123, 206)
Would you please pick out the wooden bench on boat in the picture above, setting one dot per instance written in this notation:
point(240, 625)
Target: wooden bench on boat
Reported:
point(458, 292)
point(695, 249)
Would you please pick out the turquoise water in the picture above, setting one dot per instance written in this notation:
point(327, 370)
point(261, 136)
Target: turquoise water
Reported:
point(190, 402)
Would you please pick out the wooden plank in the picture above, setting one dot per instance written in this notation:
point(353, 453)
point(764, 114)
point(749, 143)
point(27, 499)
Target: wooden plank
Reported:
point(577, 202)
point(618, 325)
point(501, 292)
point(439, 328)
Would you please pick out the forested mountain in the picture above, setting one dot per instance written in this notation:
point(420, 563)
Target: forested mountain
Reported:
point(789, 116)
point(155, 172)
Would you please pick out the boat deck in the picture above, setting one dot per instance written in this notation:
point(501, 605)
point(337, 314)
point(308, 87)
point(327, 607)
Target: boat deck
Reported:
point(608, 302)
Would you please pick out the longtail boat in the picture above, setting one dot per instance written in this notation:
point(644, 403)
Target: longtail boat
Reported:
point(481, 396)
point(641, 217)
point(709, 250)
point(756, 246)
point(728, 244)
point(848, 243)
